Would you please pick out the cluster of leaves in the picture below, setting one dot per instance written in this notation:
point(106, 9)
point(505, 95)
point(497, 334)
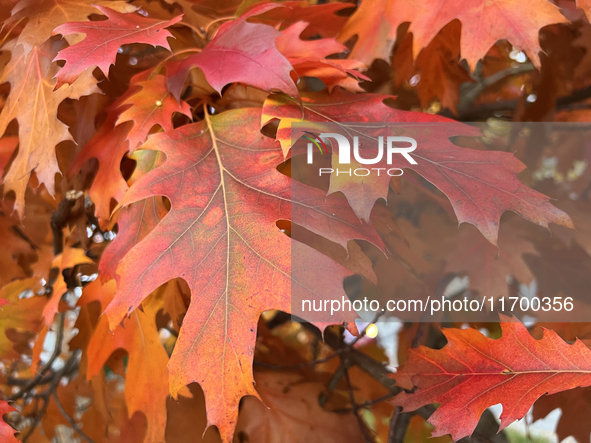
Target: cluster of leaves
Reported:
point(148, 199)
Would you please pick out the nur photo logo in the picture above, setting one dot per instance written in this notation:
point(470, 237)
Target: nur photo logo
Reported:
point(385, 150)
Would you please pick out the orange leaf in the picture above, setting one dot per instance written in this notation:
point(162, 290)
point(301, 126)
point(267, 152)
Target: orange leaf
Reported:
point(34, 103)
point(291, 413)
point(146, 387)
point(44, 15)
point(484, 22)
point(68, 259)
point(16, 313)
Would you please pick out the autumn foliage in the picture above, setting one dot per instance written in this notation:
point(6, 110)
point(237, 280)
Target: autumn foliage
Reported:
point(151, 209)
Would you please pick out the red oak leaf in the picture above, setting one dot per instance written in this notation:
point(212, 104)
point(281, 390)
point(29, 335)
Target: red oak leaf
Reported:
point(104, 38)
point(480, 185)
point(146, 103)
point(7, 147)
point(149, 103)
point(136, 220)
point(585, 5)
point(240, 52)
point(308, 58)
point(322, 20)
point(473, 372)
point(437, 67)
point(221, 237)
point(108, 145)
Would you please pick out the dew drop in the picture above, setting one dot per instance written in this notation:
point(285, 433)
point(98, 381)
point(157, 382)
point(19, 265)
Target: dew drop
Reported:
point(132, 61)
point(158, 103)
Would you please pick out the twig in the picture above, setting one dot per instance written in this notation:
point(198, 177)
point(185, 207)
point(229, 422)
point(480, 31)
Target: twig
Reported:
point(372, 367)
point(484, 111)
point(60, 217)
point(400, 420)
point(295, 367)
point(474, 90)
point(70, 419)
point(367, 404)
point(36, 420)
point(332, 384)
point(398, 425)
point(56, 353)
point(364, 430)
point(25, 237)
point(45, 396)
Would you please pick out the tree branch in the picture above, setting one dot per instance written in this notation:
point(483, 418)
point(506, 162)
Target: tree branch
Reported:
point(70, 419)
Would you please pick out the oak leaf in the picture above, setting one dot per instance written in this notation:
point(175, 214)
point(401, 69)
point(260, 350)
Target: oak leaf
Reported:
point(21, 314)
point(240, 52)
point(148, 104)
point(437, 68)
point(203, 13)
point(561, 270)
point(130, 118)
point(221, 237)
point(17, 251)
point(291, 413)
point(487, 267)
point(104, 38)
point(323, 20)
point(44, 15)
point(146, 387)
point(7, 147)
point(186, 421)
point(576, 407)
point(108, 145)
point(473, 372)
point(34, 103)
point(484, 22)
point(480, 185)
point(308, 58)
point(585, 5)
point(136, 220)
